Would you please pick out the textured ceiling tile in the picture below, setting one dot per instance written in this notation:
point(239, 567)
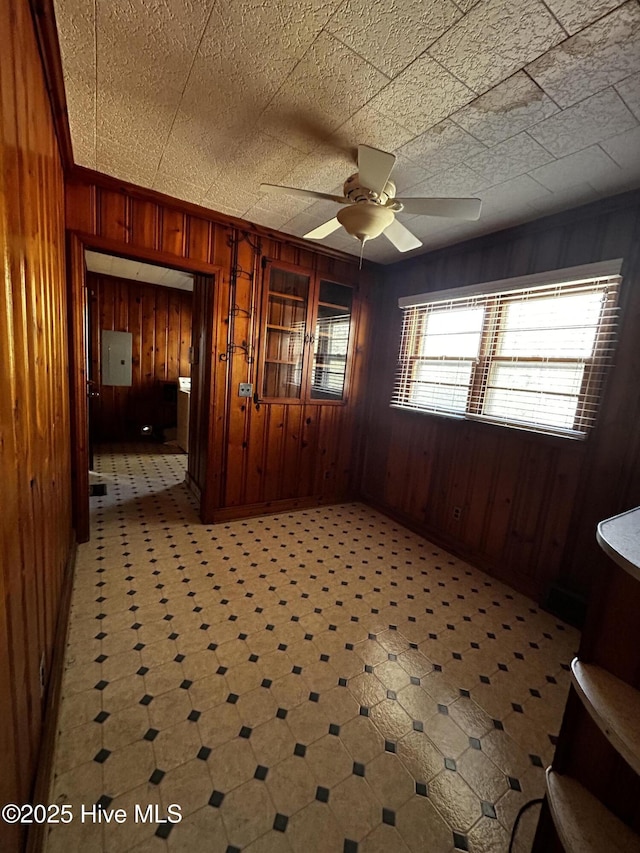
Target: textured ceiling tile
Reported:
point(495, 39)
point(328, 85)
point(391, 34)
point(324, 170)
point(125, 163)
point(442, 146)
point(569, 171)
point(177, 186)
point(457, 181)
point(282, 205)
point(562, 200)
point(302, 223)
point(262, 158)
point(510, 158)
point(143, 122)
point(268, 218)
point(576, 14)
point(422, 95)
point(629, 91)
point(406, 174)
point(597, 118)
point(371, 128)
point(625, 150)
point(466, 5)
point(604, 53)
point(509, 108)
point(511, 194)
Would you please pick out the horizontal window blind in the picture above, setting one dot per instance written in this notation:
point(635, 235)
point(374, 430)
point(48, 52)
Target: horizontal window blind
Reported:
point(532, 357)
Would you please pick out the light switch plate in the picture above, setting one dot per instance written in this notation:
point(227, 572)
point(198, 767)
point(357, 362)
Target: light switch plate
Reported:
point(245, 389)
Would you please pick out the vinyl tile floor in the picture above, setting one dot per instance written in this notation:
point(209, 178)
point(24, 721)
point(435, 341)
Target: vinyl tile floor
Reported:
point(319, 680)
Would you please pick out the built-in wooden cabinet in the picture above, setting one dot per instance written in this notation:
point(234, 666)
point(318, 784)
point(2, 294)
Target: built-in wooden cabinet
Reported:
point(307, 332)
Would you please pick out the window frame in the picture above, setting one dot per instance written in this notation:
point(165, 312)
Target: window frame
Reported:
point(494, 297)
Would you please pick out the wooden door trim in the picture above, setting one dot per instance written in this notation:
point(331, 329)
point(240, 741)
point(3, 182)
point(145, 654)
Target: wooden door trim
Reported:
point(77, 242)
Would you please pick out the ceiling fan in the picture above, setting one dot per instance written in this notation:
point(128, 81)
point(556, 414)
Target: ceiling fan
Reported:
point(370, 204)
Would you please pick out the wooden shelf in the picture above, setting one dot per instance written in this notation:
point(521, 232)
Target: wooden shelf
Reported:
point(277, 328)
point(338, 307)
point(287, 296)
point(619, 537)
point(279, 361)
point(583, 824)
point(614, 707)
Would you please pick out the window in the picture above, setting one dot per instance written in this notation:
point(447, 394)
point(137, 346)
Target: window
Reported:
point(529, 352)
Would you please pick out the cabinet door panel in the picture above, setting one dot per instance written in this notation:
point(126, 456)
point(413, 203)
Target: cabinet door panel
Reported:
point(331, 341)
point(285, 331)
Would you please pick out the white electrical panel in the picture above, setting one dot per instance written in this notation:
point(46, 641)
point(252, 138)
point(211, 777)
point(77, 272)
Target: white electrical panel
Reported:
point(117, 348)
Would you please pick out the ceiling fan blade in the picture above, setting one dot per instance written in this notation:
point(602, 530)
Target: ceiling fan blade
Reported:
point(456, 208)
point(401, 237)
point(374, 167)
point(310, 194)
point(323, 230)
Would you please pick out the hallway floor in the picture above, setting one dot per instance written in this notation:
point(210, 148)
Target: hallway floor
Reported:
point(321, 680)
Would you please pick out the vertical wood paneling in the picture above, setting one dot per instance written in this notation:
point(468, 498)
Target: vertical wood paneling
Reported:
point(35, 522)
point(157, 318)
point(529, 503)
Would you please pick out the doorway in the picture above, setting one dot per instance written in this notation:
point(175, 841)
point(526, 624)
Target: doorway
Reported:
point(133, 336)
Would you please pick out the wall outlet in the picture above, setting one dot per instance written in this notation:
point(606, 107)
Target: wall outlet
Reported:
point(457, 512)
point(245, 389)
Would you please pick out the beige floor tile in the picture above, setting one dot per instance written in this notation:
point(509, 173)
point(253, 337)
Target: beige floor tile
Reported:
point(190, 834)
point(188, 786)
point(272, 742)
point(232, 764)
point(314, 829)
point(291, 784)
point(128, 767)
point(247, 813)
point(329, 761)
point(362, 739)
point(422, 828)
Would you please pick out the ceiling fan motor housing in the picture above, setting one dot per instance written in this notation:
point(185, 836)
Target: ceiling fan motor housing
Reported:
point(356, 192)
point(365, 220)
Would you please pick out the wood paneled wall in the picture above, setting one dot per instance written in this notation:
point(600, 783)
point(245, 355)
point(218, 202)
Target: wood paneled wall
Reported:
point(256, 459)
point(529, 503)
point(159, 319)
point(35, 491)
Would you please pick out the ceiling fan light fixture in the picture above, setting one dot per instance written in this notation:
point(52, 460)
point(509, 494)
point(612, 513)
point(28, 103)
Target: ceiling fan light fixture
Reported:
point(365, 221)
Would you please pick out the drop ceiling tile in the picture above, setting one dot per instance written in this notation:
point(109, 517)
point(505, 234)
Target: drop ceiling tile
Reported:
point(282, 205)
point(442, 146)
point(324, 170)
point(495, 39)
point(604, 53)
point(268, 218)
point(302, 223)
point(144, 123)
point(625, 150)
point(229, 197)
point(510, 158)
point(177, 186)
point(126, 163)
point(576, 14)
point(592, 120)
point(513, 194)
point(460, 180)
point(466, 5)
point(406, 174)
point(574, 196)
point(573, 169)
point(629, 91)
point(512, 106)
point(390, 35)
point(326, 87)
point(369, 127)
point(422, 95)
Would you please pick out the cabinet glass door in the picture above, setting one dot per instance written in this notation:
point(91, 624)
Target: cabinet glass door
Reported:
point(331, 341)
point(287, 302)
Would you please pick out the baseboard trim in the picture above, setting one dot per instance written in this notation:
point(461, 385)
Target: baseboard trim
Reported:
point(51, 703)
point(232, 513)
point(193, 487)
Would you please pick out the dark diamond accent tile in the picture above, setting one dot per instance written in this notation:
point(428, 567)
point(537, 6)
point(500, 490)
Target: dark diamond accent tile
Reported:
point(101, 685)
point(300, 750)
point(179, 658)
point(102, 756)
point(474, 743)
point(389, 817)
point(139, 647)
point(391, 694)
point(442, 709)
point(368, 667)
point(296, 670)
point(150, 734)
point(415, 680)
point(104, 802)
point(536, 760)
point(101, 717)
point(498, 725)
point(322, 794)
point(421, 789)
point(102, 659)
point(216, 799)
point(261, 772)
point(203, 753)
point(488, 810)
point(253, 658)
point(389, 746)
point(232, 698)
point(266, 682)
point(514, 783)
point(280, 822)
point(364, 711)
point(450, 763)
point(334, 729)
point(342, 682)
point(245, 732)
point(142, 671)
point(221, 670)
point(194, 716)
point(314, 697)
point(465, 693)
point(517, 708)
point(146, 699)
point(157, 776)
point(418, 726)
point(350, 846)
point(358, 769)
point(164, 829)
point(186, 684)
point(281, 713)
point(460, 841)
